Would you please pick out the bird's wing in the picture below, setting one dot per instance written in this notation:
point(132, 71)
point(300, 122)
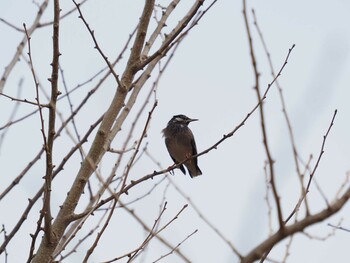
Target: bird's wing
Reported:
point(194, 147)
point(171, 150)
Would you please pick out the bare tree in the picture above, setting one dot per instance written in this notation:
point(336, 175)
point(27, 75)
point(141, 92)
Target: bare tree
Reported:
point(102, 157)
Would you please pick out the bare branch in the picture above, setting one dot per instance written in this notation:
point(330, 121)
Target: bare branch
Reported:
point(91, 249)
point(314, 170)
point(296, 208)
point(284, 110)
point(19, 50)
point(161, 239)
point(262, 119)
point(339, 227)
point(175, 32)
point(23, 100)
point(296, 227)
point(3, 230)
point(92, 33)
point(35, 198)
point(44, 24)
point(12, 114)
point(11, 25)
point(96, 151)
point(161, 24)
point(176, 247)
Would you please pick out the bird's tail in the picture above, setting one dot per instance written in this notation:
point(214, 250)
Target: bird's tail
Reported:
point(195, 171)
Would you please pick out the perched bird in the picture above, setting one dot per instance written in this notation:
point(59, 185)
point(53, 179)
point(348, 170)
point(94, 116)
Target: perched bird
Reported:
point(180, 143)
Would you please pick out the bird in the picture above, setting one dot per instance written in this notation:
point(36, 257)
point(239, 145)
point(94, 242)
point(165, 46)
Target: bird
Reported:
point(181, 145)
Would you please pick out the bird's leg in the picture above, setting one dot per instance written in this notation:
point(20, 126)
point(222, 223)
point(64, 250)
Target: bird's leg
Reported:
point(171, 169)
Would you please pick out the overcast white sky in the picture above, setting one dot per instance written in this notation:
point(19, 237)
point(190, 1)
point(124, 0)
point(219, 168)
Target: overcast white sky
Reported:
point(211, 79)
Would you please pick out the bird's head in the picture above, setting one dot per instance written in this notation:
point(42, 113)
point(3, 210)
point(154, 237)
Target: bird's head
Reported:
point(181, 120)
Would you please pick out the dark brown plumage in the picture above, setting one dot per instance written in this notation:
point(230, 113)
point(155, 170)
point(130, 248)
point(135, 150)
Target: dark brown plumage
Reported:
point(180, 143)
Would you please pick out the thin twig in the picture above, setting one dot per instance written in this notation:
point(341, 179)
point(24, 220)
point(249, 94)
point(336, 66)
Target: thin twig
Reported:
point(19, 49)
point(322, 193)
point(262, 121)
point(11, 25)
point(315, 168)
point(91, 249)
point(13, 113)
point(3, 229)
point(267, 199)
point(176, 247)
point(35, 236)
point(206, 220)
point(321, 151)
point(92, 33)
point(36, 89)
point(70, 103)
point(23, 100)
point(44, 24)
point(168, 223)
point(161, 239)
point(339, 227)
point(132, 255)
point(343, 185)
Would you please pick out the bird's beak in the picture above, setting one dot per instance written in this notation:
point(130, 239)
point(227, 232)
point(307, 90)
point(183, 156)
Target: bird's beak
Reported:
point(191, 120)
